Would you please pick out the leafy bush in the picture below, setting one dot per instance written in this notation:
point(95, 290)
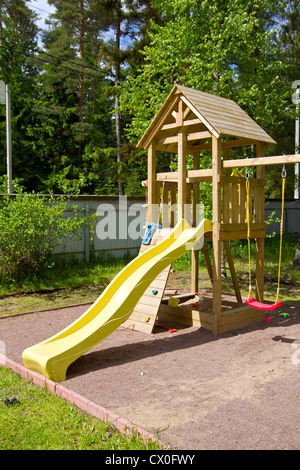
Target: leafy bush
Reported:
point(31, 226)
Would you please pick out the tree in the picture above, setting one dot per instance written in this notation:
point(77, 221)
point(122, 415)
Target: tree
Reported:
point(125, 19)
point(74, 108)
point(227, 48)
point(31, 227)
point(18, 40)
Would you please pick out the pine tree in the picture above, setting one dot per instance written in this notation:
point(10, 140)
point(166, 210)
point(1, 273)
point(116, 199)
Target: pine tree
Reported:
point(72, 86)
point(125, 20)
point(18, 41)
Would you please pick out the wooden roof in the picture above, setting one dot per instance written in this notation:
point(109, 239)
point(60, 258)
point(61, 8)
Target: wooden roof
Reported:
point(204, 115)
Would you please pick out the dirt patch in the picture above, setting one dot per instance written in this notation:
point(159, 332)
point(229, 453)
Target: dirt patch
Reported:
point(197, 390)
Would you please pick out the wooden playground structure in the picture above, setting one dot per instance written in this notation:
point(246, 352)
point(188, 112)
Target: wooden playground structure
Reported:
point(189, 122)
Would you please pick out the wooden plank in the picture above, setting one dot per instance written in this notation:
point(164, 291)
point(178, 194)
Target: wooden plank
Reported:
point(241, 180)
point(158, 121)
point(142, 309)
point(173, 193)
point(195, 253)
point(190, 137)
point(182, 297)
point(228, 144)
point(173, 175)
point(213, 108)
point(150, 299)
point(165, 206)
point(241, 235)
point(198, 136)
point(261, 161)
point(243, 203)
point(185, 316)
point(239, 318)
point(217, 274)
point(225, 206)
point(186, 123)
point(201, 117)
point(235, 207)
point(145, 316)
point(225, 188)
point(237, 226)
point(182, 174)
point(152, 195)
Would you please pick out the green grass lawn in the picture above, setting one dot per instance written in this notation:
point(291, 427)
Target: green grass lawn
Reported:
point(43, 421)
point(78, 282)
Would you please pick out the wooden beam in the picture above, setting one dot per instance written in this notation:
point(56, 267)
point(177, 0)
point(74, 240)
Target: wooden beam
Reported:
point(226, 144)
point(160, 122)
point(261, 161)
point(195, 252)
point(182, 174)
point(168, 140)
point(190, 122)
point(217, 274)
point(198, 136)
point(152, 215)
point(190, 137)
point(190, 174)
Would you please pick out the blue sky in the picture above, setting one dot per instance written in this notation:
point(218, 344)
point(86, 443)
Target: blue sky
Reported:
point(42, 8)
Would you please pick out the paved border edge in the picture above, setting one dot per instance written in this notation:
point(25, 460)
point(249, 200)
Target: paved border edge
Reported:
point(90, 407)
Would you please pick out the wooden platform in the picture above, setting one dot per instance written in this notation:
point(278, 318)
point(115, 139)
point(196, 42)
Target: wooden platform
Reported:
point(234, 315)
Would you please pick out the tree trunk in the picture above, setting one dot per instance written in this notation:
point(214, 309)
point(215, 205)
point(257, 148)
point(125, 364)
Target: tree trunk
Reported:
point(81, 78)
point(296, 262)
point(117, 104)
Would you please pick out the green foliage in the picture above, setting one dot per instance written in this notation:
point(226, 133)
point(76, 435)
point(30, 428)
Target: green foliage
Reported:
point(31, 227)
point(226, 48)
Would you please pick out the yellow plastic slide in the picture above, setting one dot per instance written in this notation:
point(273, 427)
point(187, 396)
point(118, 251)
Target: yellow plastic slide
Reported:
point(53, 356)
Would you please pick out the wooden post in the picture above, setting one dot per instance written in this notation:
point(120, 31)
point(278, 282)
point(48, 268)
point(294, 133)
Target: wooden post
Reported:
point(182, 173)
point(217, 248)
point(165, 205)
point(153, 210)
point(195, 252)
point(173, 194)
point(260, 242)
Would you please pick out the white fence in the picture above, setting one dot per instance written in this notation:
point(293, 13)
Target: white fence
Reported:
point(121, 225)
point(119, 230)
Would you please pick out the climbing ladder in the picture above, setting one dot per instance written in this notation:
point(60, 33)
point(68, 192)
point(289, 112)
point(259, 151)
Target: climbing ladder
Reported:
point(144, 315)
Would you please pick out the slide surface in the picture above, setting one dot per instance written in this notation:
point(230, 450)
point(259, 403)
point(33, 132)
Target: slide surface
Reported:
point(52, 357)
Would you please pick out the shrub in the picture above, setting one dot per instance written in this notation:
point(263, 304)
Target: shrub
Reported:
point(31, 226)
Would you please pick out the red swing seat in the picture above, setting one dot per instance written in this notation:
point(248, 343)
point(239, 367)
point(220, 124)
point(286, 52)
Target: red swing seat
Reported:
point(260, 306)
